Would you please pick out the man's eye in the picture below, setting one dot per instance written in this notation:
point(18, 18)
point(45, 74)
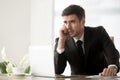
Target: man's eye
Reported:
point(65, 22)
point(73, 21)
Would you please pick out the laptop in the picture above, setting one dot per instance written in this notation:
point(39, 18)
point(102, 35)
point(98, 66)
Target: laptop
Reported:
point(42, 61)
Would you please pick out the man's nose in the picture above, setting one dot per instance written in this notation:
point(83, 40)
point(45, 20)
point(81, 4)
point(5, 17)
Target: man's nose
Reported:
point(68, 25)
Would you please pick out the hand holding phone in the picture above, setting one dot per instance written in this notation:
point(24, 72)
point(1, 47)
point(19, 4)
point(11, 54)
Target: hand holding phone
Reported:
point(63, 32)
point(62, 37)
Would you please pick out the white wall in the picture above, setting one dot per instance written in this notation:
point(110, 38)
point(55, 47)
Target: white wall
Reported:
point(15, 28)
point(41, 22)
point(24, 24)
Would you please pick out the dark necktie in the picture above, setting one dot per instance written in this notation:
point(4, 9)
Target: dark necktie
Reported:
point(80, 49)
point(81, 55)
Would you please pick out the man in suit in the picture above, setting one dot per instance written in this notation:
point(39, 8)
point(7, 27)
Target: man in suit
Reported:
point(99, 55)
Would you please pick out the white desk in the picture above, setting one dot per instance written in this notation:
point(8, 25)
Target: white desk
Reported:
point(80, 77)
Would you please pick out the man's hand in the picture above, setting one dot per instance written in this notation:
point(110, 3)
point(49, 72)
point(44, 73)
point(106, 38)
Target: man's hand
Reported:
point(62, 37)
point(63, 32)
point(110, 71)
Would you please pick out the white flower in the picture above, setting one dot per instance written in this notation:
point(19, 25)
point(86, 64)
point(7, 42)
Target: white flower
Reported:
point(9, 68)
point(3, 54)
point(24, 61)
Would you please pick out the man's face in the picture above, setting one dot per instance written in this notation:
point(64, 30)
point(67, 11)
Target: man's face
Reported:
point(74, 26)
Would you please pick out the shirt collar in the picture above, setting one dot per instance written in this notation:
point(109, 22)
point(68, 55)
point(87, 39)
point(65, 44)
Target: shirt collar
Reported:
point(81, 38)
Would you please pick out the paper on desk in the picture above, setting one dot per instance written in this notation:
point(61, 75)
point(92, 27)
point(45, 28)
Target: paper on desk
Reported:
point(93, 76)
point(97, 76)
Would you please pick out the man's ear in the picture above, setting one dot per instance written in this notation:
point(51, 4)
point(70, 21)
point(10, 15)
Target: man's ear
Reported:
point(83, 21)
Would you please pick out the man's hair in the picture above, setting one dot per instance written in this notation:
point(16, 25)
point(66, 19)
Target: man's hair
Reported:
point(74, 9)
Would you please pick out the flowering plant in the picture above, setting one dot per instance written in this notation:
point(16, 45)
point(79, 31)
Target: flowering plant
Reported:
point(6, 67)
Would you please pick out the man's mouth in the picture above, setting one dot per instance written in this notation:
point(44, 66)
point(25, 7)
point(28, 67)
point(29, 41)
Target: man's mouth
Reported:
point(70, 32)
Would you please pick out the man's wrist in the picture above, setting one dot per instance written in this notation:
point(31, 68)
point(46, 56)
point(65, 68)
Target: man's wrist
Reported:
point(114, 66)
point(60, 51)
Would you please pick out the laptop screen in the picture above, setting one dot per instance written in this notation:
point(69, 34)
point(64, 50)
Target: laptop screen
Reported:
point(41, 60)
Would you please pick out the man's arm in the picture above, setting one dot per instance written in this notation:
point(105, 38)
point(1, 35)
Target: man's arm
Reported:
point(59, 60)
point(111, 54)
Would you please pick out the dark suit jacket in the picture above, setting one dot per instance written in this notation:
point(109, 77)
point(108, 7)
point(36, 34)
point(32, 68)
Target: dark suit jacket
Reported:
point(99, 53)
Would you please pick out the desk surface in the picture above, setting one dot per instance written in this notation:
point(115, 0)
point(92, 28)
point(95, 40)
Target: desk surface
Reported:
point(80, 77)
